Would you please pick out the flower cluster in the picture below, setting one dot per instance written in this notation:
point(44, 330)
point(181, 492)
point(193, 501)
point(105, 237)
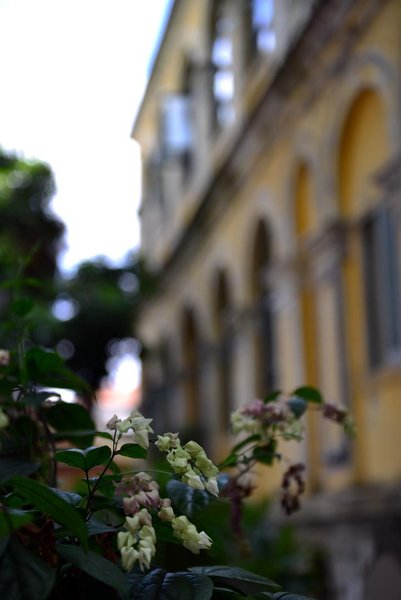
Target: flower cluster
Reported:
point(190, 462)
point(138, 542)
point(341, 416)
point(256, 417)
point(293, 486)
point(185, 531)
point(140, 491)
point(137, 422)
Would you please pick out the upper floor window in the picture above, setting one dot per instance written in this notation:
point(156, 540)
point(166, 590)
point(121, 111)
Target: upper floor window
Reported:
point(382, 281)
point(262, 22)
point(223, 62)
point(153, 180)
point(176, 125)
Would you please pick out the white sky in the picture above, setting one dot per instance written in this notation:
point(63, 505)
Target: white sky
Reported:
point(72, 76)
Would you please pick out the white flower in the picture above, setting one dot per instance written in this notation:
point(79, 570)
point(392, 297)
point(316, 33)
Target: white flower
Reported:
point(166, 513)
point(141, 428)
point(129, 556)
point(189, 535)
point(212, 487)
point(112, 424)
point(193, 480)
point(123, 425)
point(178, 459)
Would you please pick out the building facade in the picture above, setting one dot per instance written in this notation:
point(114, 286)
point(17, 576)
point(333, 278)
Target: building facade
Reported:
point(271, 213)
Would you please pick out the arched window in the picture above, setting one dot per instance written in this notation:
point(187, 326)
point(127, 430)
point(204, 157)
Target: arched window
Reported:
point(222, 305)
point(176, 123)
point(222, 60)
point(363, 151)
point(262, 26)
point(191, 367)
point(265, 368)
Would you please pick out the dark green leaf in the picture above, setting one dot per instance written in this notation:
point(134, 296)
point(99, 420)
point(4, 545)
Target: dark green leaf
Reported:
point(23, 575)
point(266, 453)
point(95, 565)
point(220, 593)
point(12, 519)
point(70, 497)
point(133, 451)
point(9, 467)
point(73, 457)
point(38, 398)
point(298, 406)
point(229, 461)
point(97, 456)
point(84, 459)
point(242, 580)
point(103, 434)
point(71, 422)
point(161, 585)
point(187, 500)
point(310, 394)
point(272, 396)
point(22, 307)
point(246, 442)
point(289, 596)
point(96, 527)
point(48, 368)
point(51, 504)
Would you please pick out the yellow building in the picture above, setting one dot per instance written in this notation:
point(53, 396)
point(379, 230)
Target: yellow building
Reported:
point(271, 140)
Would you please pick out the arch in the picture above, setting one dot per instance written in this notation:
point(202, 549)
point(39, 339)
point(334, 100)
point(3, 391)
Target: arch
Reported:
point(222, 305)
point(363, 148)
point(265, 211)
point(305, 217)
point(190, 343)
point(368, 70)
point(264, 358)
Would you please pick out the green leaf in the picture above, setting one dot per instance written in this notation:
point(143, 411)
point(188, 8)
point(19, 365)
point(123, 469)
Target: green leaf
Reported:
point(162, 585)
point(73, 457)
point(289, 596)
point(96, 527)
point(272, 397)
point(22, 307)
point(133, 451)
point(266, 453)
point(9, 467)
point(11, 519)
point(24, 575)
point(72, 422)
point(97, 455)
point(297, 406)
point(84, 459)
point(49, 369)
point(186, 499)
point(220, 593)
point(229, 461)
point(95, 565)
point(242, 580)
point(51, 504)
point(310, 394)
point(38, 398)
point(104, 434)
point(70, 497)
point(246, 442)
